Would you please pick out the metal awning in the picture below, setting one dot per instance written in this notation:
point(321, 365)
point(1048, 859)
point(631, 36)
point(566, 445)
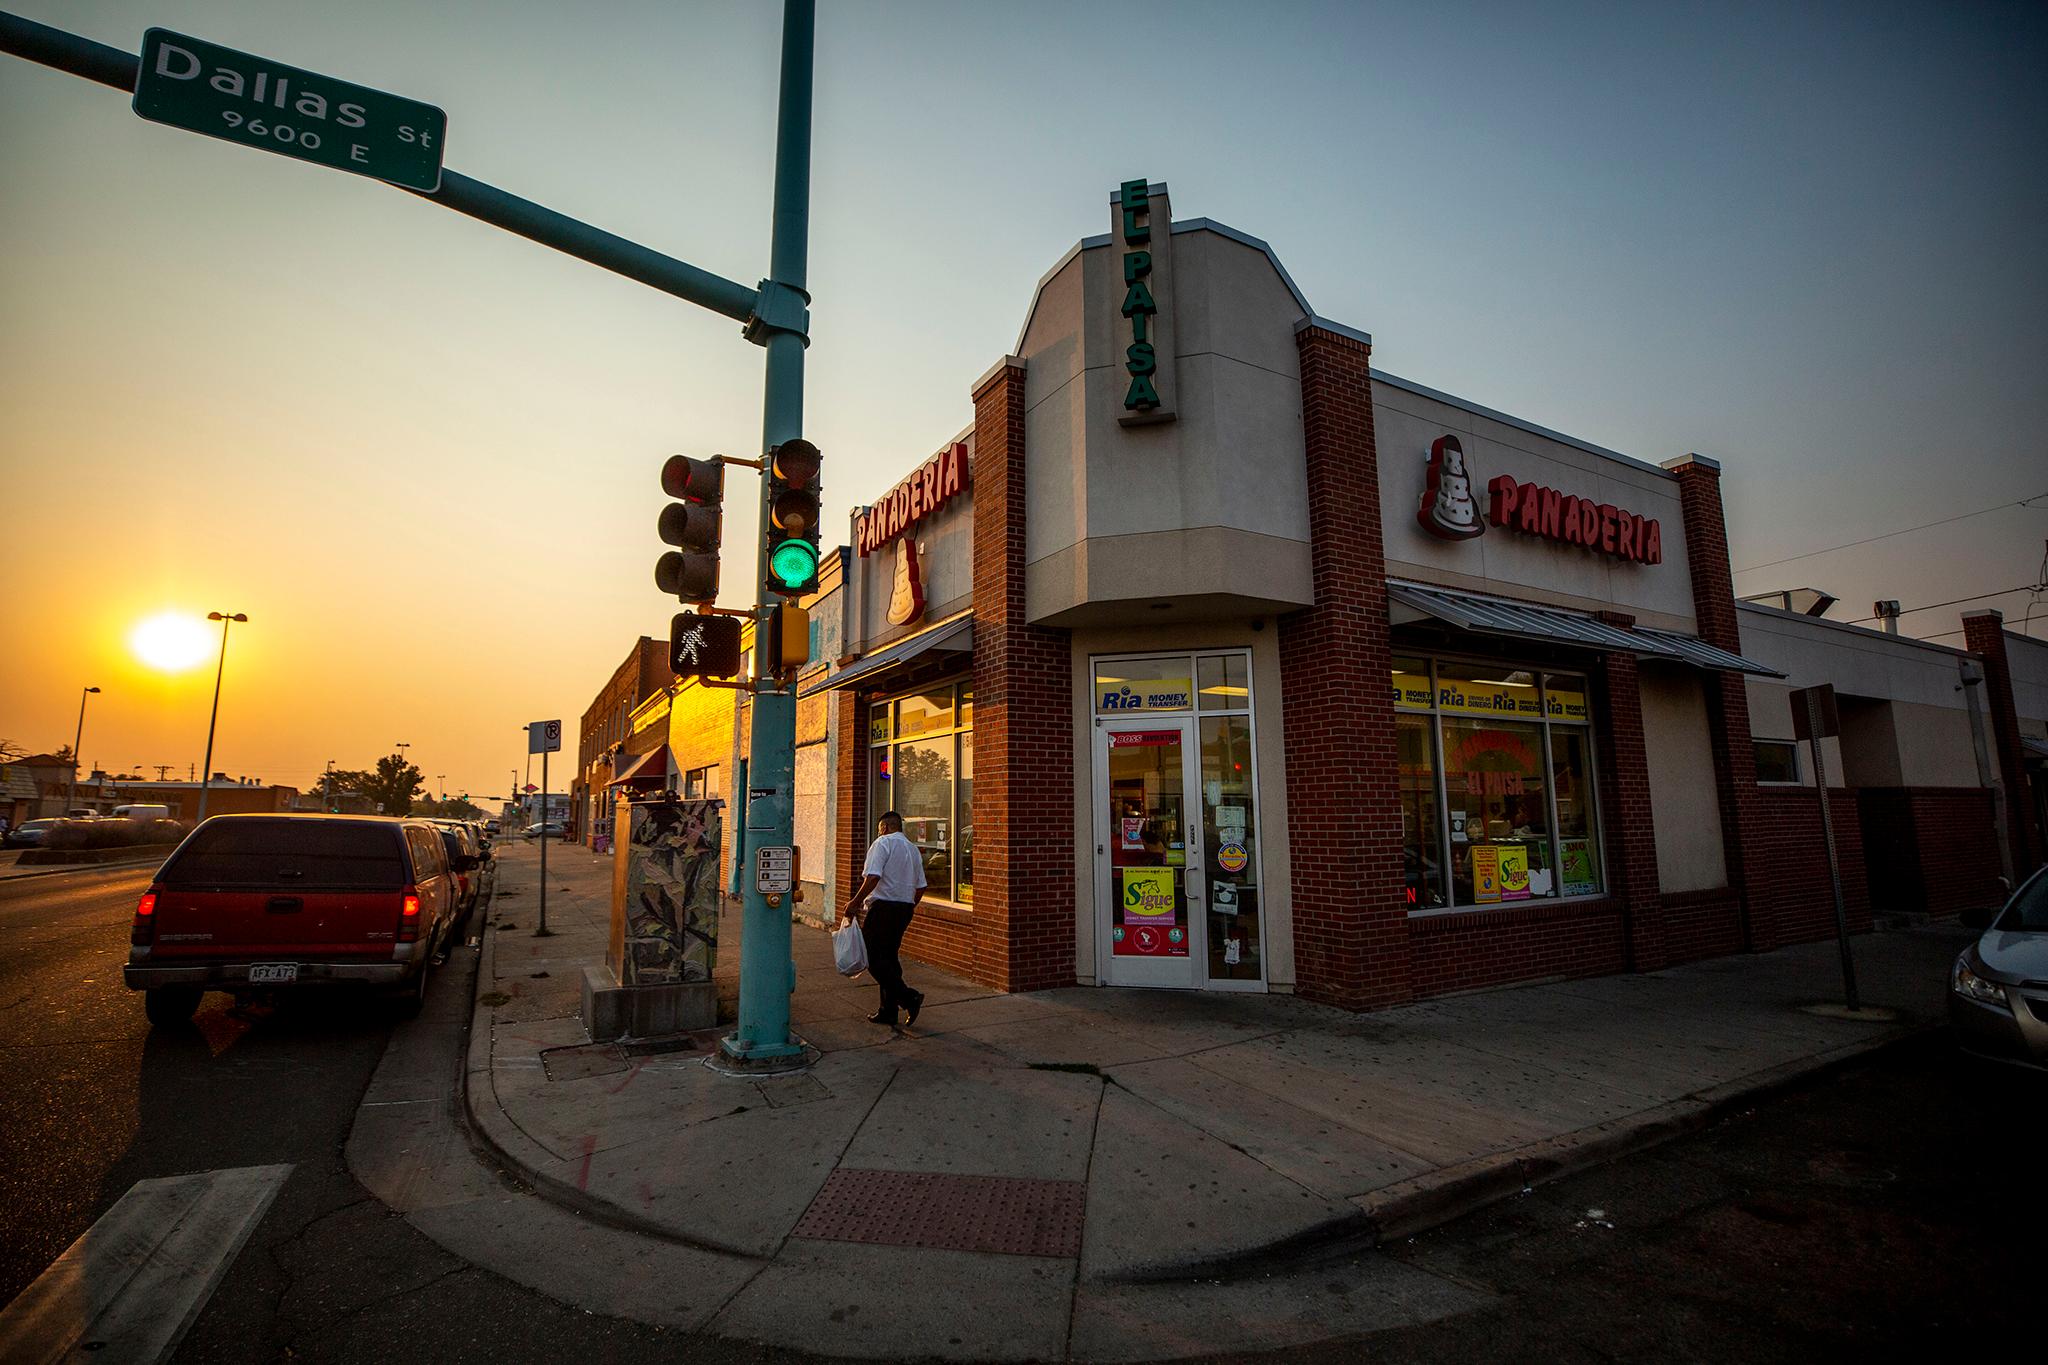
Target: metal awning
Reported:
point(652, 764)
point(1700, 654)
point(2034, 748)
point(1557, 625)
point(954, 637)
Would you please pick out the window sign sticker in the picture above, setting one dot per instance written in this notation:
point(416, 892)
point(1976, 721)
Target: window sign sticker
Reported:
point(1576, 856)
point(1149, 922)
point(1485, 874)
point(1231, 857)
point(1133, 832)
point(1514, 872)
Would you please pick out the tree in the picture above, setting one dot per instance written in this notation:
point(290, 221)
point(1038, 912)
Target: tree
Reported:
point(454, 808)
point(392, 785)
point(9, 751)
point(333, 783)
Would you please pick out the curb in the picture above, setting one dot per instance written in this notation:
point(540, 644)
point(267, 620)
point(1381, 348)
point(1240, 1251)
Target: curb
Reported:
point(1403, 1210)
point(494, 1136)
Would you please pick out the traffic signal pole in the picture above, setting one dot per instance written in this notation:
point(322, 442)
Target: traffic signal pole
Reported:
point(766, 808)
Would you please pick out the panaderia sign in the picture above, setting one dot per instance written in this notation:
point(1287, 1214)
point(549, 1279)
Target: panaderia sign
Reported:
point(935, 483)
point(1449, 511)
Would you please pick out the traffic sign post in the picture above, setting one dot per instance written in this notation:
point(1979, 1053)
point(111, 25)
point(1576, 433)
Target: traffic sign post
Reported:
point(1815, 717)
point(239, 97)
point(543, 737)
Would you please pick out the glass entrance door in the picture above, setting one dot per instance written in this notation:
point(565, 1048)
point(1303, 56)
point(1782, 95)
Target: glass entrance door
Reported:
point(1149, 868)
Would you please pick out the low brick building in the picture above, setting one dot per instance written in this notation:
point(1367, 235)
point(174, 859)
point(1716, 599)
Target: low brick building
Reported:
point(606, 741)
point(1209, 656)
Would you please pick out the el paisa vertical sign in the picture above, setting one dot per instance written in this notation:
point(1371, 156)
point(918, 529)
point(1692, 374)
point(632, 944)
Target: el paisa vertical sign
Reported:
point(1141, 230)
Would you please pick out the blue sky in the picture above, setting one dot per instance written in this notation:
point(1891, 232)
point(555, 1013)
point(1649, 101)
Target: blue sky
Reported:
point(1804, 239)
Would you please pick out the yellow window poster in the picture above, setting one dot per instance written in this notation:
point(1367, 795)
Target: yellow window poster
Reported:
point(1514, 872)
point(1151, 694)
point(1411, 691)
point(1486, 874)
point(1148, 895)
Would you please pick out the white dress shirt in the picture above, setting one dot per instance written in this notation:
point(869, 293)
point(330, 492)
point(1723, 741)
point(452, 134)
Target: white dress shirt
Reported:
point(899, 872)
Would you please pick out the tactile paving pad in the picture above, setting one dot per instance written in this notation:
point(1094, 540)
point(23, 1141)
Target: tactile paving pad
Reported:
point(948, 1212)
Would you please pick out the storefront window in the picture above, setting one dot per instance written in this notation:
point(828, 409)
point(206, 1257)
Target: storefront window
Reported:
point(1127, 685)
point(1225, 682)
point(1422, 830)
point(1497, 796)
point(1231, 834)
point(1496, 786)
point(922, 767)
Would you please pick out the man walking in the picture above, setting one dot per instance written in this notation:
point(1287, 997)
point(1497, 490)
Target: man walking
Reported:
point(892, 883)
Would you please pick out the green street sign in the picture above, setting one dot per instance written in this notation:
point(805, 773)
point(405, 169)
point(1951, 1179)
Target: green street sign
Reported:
point(204, 88)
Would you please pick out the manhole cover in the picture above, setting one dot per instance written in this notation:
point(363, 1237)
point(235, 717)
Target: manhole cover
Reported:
point(587, 1059)
point(948, 1212)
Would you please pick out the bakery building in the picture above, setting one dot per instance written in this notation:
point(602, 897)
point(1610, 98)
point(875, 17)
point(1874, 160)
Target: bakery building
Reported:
point(1207, 656)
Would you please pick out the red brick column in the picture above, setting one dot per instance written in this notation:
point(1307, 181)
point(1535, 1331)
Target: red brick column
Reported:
point(1023, 726)
point(1984, 634)
point(1343, 808)
point(1629, 833)
point(1713, 604)
point(849, 797)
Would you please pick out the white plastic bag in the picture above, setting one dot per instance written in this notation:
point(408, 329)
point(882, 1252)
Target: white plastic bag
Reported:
point(849, 949)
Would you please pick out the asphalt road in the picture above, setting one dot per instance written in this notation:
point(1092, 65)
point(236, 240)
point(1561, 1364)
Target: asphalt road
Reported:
point(1887, 1212)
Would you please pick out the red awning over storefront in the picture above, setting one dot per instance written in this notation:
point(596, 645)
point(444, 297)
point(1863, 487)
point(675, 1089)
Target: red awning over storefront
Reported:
point(650, 767)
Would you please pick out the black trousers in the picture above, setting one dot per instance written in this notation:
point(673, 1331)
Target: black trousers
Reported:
point(881, 929)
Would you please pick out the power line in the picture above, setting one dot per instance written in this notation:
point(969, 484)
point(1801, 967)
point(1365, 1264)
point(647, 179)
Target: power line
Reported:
point(1954, 601)
point(1908, 530)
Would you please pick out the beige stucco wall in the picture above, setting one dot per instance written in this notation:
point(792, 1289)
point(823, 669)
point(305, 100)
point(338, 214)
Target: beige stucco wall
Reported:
point(1683, 796)
point(1276, 880)
point(1406, 423)
point(1918, 737)
point(1211, 505)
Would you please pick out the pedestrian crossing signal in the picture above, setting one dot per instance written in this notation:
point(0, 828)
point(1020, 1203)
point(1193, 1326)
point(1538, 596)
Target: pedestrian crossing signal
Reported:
point(704, 646)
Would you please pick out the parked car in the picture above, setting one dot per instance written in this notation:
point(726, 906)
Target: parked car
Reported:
point(143, 811)
point(494, 827)
point(31, 833)
point(255, 903)
point(1998, 986)
point(466, 858)
point(552, 829)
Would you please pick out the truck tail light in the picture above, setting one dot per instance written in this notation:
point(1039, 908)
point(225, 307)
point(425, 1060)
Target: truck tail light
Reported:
point(409, 916)
point(144, 930)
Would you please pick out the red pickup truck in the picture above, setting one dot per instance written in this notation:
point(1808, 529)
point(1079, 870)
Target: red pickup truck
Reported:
point(254, 903)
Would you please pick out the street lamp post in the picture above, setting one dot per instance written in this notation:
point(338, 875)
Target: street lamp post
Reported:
point(77, 738)
point(333, 806)
point(206, 769)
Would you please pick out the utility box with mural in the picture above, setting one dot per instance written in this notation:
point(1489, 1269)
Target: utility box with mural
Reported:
point(657, 976)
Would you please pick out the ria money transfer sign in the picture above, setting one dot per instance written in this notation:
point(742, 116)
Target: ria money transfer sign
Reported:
point(204, 88)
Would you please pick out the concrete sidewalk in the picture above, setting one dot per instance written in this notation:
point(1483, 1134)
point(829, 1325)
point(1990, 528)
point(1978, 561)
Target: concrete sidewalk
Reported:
point(1196, 1145)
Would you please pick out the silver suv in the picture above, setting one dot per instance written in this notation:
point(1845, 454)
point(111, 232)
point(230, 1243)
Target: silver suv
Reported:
point(1998, 986)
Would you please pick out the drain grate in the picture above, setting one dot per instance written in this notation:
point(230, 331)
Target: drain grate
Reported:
point(948, 1212)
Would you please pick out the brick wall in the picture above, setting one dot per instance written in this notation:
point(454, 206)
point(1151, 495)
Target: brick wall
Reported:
point(1789, 867)
point(1984, 633)
point(1701, 924)
point(1727, 699)
point(1022, 930)
point(1929, 849)
point(1628, 825)
point(1492, 947)
point(1351, 931)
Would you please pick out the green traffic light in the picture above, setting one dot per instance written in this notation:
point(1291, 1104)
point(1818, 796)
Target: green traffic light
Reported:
point(793, 562)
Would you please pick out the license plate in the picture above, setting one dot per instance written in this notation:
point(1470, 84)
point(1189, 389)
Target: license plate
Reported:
point(273, 973)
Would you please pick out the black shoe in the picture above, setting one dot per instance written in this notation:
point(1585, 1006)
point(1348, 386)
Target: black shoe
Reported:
point(916, 1004)
point(884, 1017)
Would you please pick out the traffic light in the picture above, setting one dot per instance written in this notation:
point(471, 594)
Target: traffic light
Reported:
point(792, 530)
point(690, 572)
point(704, 646)
point(788, 640)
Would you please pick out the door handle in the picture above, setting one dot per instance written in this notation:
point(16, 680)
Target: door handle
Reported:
point(284, 905)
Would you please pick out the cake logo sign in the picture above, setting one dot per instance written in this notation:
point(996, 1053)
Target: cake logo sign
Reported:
point(1448, 510)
